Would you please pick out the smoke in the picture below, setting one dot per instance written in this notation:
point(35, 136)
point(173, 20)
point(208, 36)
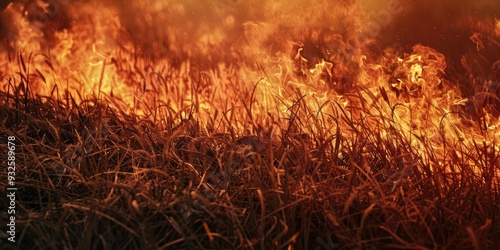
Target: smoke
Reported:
point(228, 31)
point(216, 31)
point(448, 26)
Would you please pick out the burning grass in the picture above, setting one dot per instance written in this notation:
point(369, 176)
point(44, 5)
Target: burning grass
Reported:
point(93, 176)
point(300, 136)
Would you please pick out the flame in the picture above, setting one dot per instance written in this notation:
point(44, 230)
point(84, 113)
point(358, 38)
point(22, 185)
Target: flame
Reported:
point(227, 56)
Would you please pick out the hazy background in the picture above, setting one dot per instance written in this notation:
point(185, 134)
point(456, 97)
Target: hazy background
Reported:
point(235, 30)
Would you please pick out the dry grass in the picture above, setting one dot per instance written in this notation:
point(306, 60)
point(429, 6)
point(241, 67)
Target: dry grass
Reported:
point(94, 177)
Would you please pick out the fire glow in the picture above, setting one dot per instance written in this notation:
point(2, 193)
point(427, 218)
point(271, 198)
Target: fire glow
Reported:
point(253, 62)
point(230, 124)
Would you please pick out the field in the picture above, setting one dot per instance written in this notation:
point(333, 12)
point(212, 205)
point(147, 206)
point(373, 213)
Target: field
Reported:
point(158, 126)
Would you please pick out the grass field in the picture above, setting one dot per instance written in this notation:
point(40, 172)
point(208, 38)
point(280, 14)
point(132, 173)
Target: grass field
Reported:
point(285, 136)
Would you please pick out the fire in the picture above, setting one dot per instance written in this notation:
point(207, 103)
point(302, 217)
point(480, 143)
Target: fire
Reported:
point(254, 62)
